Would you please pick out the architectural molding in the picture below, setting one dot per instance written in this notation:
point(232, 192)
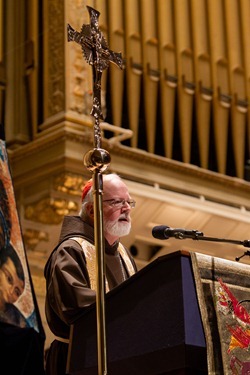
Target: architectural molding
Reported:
point(62, 147)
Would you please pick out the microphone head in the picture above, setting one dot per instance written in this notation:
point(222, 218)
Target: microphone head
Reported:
point(159, 232)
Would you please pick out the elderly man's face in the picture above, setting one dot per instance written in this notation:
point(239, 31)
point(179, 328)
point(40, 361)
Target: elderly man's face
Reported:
point(117, 221)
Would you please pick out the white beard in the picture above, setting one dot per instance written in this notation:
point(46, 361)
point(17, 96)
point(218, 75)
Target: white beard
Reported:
point(117, 228)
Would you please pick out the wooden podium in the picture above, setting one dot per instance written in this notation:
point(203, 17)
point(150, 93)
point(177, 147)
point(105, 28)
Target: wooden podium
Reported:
point(153, 325)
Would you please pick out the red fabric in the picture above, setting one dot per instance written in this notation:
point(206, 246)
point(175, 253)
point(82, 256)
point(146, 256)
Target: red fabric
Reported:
point(86, 188)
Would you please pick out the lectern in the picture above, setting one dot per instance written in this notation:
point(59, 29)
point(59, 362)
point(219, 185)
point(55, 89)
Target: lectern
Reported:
point(153, 325)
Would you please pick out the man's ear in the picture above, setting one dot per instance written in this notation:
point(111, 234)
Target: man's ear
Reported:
point(90, 210)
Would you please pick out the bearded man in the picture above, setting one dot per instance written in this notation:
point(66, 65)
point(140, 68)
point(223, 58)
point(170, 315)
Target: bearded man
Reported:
point(70, 271)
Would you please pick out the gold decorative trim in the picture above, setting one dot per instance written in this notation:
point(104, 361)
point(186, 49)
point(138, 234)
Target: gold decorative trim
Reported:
point(68, 183)
point(49, 210)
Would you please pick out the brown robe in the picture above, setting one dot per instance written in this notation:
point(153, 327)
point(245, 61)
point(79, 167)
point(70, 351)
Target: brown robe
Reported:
point(68, 285)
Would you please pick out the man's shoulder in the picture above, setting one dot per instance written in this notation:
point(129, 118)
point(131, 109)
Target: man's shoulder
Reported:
point(72, 241)
point(74, 226)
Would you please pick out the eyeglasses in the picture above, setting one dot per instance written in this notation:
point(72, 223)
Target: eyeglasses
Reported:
point(119, 203)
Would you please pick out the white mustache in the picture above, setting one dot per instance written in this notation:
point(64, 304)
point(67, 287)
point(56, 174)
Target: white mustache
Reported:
point(124, 216)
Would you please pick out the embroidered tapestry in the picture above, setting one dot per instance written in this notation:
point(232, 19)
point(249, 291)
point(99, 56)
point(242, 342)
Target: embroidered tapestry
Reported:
point(17, 298)
point(223, 290)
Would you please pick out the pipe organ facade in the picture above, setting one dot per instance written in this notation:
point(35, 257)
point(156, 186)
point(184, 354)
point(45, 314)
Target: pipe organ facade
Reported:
point(184, 91)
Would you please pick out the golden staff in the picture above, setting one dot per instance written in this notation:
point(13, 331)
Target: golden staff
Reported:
point(97, 54)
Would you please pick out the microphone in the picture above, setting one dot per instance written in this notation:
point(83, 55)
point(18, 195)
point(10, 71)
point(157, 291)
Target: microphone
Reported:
point(163, 232)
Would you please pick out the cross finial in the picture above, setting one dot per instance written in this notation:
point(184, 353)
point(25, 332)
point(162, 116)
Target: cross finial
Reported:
point(97, 53)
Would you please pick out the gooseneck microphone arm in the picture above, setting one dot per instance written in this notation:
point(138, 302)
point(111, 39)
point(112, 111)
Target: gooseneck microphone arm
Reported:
point(163, 232)
point(245, 243)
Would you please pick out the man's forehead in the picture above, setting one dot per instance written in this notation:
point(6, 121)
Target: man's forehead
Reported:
point(114, 184)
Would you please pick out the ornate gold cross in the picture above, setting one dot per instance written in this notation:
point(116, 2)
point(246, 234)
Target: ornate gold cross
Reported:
point(97, 53)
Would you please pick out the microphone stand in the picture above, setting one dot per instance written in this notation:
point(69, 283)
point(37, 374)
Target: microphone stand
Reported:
point(198, 236)
point(98, 55)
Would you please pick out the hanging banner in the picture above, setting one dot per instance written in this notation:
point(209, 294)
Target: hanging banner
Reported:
point(17, 299)
point(223, 290)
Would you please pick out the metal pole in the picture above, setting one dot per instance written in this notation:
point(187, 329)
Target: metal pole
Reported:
point(100, 275)
point(98, 55)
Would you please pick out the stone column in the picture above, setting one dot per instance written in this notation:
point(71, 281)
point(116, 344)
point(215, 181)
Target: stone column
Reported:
point(67, 78)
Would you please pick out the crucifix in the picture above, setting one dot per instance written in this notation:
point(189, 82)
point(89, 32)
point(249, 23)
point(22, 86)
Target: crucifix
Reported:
point(97, 53)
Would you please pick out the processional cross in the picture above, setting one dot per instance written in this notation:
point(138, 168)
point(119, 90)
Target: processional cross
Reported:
point(97, 53)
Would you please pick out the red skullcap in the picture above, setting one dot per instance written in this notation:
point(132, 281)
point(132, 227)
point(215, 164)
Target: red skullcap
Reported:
point(86, 188)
